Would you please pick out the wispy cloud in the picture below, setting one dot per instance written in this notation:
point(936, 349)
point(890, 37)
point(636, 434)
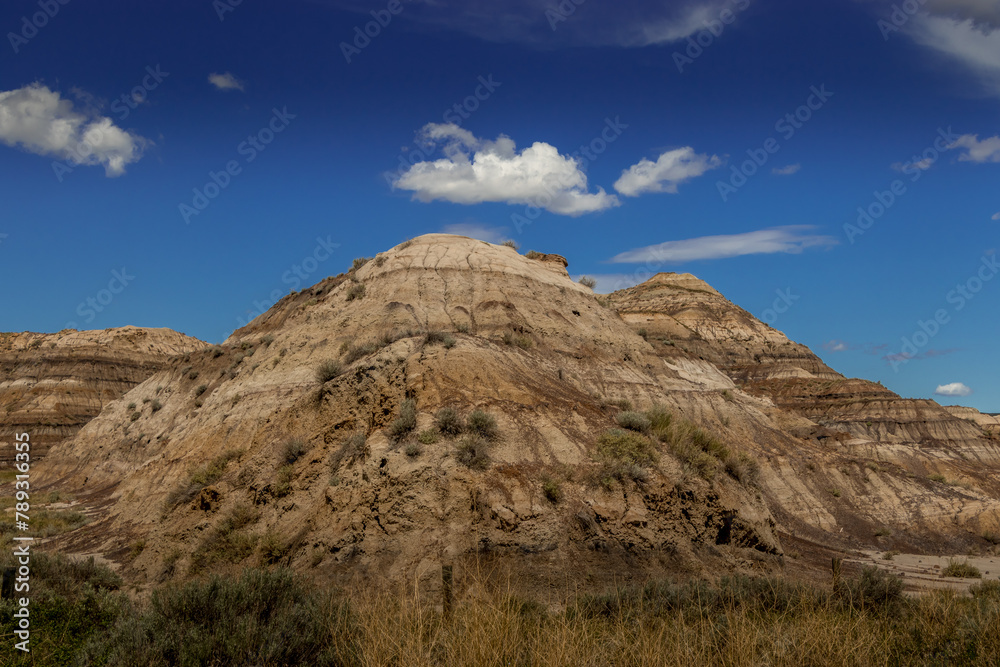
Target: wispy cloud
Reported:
point(791, 239)
point(835, 346)
point(476, 230)
point(964, 36)
point(666, 173)
point(926, 354)
point(225, 81)
point(40, 121)
point(475, 170)
point(922, 165)
point(953, 389)
point(987, 150)
point(996, 216)
point(787, 171)
point(550, 23)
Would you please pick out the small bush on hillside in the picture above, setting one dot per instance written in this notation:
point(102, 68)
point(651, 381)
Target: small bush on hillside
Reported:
point(448, 421)
point(402, 425)
point(293, 449)
point(532, 254)
point(633, 421)
point(588, 282)
point(473, 452)
point(510, 243)
point(350, 449)
point(328, 370)
point(356, 291)
point(482, 424)
point(359, 262)
point(199, 478)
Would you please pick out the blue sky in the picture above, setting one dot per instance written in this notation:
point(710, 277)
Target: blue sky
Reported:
point(185, 165)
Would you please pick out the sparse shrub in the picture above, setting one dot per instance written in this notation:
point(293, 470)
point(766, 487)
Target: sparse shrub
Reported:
point(352, 448)
point(510, 243)
point(434, 337)
point(198, 402)
point(448, 421)
point(883, 532)
point(531, 254)
point(356, 291)
point(835, 493)
point(131, 406)
point(217, 352)
point(402, 425)
point(293, 449)
point(155, 405)
point(427, 437)
point(552, 490)
point(587, 282)
point(266, 340)
point(727, 395)
point(449, 341)
point(201, 389)
point(937, 478)
point(199, 478)
point(643, 333)
point(633, 421)
point(743, 468)
point(134, 416)
point(462, 327)
point(963, 569)
point(193, 375)
point(874, 587)
point(283, 481)
point(986, 589)
point(889, 555)
point(621, 404)
point(473, 452)
point(359, 262)
point(413, 450)
point(482, 424)
point(328, 370)
point(272, 548)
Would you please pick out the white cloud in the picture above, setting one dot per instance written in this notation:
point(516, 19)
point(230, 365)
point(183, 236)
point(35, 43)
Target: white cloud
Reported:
point(987, 150)
point(996, 216)
point(835, 346)
point(787, 171)
point(551, 23)
point(39, 121)
point(225, 81)
point(475, 170)
point(789, 239)
point(922, 165)
point(971, 43)
point(670, 169)
point(475, 230)
point(953, 389)
point(985, 14)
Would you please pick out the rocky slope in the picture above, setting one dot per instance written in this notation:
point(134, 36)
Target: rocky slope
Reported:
point(241, 453)
point(866, 459)
point(53, 384)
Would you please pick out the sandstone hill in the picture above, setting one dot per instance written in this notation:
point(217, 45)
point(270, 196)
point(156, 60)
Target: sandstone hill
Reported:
point(53, 384)
point(661, 428)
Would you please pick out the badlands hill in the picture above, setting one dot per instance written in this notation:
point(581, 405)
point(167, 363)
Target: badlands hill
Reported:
point(662, 428)
point(53, 384)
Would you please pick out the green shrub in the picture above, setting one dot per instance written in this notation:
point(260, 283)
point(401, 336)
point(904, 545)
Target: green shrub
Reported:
point(588, 282)
point(552, 490)
point(217, 352)
point(265, 617)
point(413, 449)
point(272, 548)
point(427, 436)
point(402, 425)
point(283, 481)
point(359, 262)
point(473, 452)
point(510, 243)
point(482, 424)
point(633, 421)
point(328, 370)
point(266, 340)
point(874, 587)
point(293, 449)
point(155, 405)
point(226, 543)
point(962, 569)
point(199, 478)
point(356, 291)
point(532, 254)
point(448, 421)
point(134, 416)
point(201, 389)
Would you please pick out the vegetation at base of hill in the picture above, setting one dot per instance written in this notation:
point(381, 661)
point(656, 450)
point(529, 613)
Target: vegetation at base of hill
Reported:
point(80, 617)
